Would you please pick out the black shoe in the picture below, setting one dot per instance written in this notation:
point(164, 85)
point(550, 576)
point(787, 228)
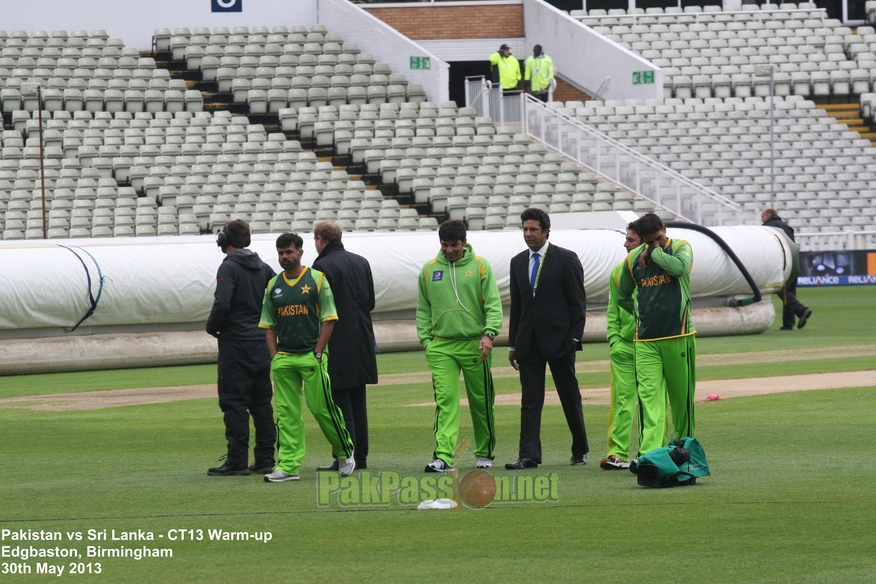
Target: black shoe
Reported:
point(634, 466)
point(228, 469)
point(578, 460)
point(262, 467)
point(328, 467)
point(521, 463)
point(361, 465)
point(786, 328)
point(801, 322)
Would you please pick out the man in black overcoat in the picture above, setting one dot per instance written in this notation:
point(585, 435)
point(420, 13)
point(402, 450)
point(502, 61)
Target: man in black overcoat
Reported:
point(352, 362)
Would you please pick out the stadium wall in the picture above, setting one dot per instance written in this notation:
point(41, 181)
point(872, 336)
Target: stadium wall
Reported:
point(387, 44)
point(135, 22)
point(455, 20)
point(585, 58)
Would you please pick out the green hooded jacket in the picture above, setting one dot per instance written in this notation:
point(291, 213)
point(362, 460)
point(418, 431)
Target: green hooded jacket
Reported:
point(662, 304)
point(458, 300)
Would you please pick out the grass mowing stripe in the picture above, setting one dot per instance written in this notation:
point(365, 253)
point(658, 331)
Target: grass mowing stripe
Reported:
point(779, 495)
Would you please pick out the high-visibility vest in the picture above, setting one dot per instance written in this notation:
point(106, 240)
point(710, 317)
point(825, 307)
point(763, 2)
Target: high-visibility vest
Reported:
point(509, 70)
point(539, 72)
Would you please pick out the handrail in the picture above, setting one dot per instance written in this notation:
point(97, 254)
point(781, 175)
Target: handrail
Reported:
point(622, 165)
point(602, 86)
point(486, 85)
point(505, 108)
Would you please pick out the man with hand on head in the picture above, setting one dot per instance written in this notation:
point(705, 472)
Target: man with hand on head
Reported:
point(299, 316)
point(352, 347)
point(244, 363)
point(622, 358)
point(505, 69)
point(459, 314)
point(548, 307)
point(659, 273)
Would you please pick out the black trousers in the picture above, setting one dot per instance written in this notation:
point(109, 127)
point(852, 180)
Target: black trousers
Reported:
point(792, 307)
point(532, 377)
point(352, 403)
point(245, 389)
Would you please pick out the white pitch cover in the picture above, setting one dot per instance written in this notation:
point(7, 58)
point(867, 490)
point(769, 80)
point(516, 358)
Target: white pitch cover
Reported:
point(169, 280)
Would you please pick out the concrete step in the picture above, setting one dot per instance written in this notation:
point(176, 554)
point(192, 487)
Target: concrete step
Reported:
point(842, 111)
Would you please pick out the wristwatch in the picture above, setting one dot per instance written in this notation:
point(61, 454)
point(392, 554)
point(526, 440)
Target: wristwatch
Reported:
point(318, 355)
point(492, 336)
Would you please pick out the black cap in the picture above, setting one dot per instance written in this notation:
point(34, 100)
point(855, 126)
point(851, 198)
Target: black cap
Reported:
point(503, 47)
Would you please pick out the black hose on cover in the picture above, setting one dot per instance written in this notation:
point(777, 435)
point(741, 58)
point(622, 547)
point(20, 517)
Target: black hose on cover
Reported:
point(723, 244)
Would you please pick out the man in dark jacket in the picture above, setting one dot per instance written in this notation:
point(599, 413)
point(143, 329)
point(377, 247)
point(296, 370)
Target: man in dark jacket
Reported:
point(244, 362)
point(352, 361)
point(792, 306)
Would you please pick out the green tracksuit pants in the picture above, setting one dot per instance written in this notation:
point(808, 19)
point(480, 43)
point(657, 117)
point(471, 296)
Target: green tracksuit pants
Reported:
point(446, 358)
point(290, 372)
point(665, 367)
point(622, 357)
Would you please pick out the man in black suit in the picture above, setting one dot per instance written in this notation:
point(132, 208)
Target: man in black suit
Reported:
point(352, 360)
point(547, 322)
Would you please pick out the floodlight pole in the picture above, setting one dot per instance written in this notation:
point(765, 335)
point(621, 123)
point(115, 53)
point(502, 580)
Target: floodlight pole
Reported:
point(36, 88)
point(771, 71)
point(772, 138)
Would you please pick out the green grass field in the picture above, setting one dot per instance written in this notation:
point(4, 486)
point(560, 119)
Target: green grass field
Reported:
point(788, 500)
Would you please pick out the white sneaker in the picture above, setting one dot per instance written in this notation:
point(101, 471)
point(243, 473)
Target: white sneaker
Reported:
point(346, 466)
point(613, 463)
point(278, 476)
point(438, 465)
point(484, 462)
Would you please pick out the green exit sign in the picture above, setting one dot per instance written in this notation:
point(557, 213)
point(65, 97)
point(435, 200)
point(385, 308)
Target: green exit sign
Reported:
point(421, 63)
point(643, 77)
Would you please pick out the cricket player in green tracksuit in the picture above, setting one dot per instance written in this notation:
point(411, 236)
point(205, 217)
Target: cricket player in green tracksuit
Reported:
point(299, 314)
point(622, 359)
point(659, 272)
point(459, 313)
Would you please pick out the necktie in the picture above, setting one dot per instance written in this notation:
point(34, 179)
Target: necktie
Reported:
point(534, 273)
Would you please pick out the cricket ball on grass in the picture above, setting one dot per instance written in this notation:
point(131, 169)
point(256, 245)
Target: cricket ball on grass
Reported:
point(477, 488)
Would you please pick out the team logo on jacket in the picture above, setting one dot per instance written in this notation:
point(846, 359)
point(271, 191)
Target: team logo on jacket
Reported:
point(437, 275)
point(277, 292)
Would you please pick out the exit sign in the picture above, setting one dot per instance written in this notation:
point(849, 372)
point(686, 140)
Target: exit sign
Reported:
point(421, 63)
point(643, 77)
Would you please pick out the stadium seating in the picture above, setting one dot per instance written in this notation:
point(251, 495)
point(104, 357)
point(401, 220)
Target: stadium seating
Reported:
point(825, 174)
point(705, 52)
point(132, 149)
point(274, 69)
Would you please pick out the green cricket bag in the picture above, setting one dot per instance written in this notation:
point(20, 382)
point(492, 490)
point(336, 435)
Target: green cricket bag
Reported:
point(678, 464)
